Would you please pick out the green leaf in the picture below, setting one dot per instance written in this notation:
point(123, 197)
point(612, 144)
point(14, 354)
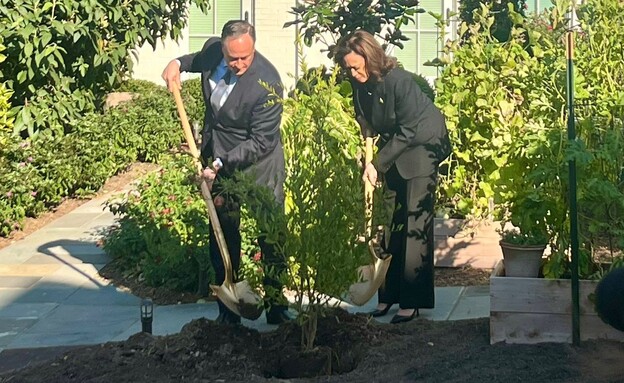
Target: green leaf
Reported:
point(28, 49)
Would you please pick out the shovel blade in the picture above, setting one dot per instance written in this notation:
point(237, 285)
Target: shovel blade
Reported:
point(240, 298)
point(372, 277)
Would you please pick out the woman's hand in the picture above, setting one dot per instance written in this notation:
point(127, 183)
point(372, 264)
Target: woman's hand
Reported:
point(370, 174)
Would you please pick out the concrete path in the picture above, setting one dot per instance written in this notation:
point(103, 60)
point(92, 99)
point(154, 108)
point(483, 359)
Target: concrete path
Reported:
point(51, 293)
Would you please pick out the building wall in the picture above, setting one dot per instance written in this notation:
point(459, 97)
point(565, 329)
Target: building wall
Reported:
point(273, 41)
point(278, 43)
point(149, 63)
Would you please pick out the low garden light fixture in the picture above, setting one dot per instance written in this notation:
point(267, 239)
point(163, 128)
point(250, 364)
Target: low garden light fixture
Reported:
point(147, 315)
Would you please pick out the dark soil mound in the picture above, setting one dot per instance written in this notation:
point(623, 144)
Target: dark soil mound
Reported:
point(350, 347)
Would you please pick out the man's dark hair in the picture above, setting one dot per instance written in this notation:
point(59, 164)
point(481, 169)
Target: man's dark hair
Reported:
point(236, 28)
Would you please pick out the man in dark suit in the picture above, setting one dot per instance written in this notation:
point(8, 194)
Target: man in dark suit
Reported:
point(241, 132)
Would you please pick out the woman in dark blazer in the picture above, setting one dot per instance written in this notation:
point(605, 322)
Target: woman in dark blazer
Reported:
point(413, 140)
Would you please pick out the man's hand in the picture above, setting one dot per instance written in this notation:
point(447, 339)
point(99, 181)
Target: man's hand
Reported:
point(209, 174)
point(171, 75)
point(370, 174)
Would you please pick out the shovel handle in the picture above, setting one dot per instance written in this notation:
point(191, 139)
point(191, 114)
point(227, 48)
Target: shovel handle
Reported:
point(205, 189)
point(368, 187)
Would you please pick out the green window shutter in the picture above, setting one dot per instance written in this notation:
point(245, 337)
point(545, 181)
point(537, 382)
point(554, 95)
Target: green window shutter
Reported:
point(227, 10)
point(408, 55)
point(203, 26)
point(428, 51)
point(425, 20)
point(422, 45)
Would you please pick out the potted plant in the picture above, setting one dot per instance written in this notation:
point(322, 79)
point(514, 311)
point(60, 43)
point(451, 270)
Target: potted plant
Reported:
point(522, 251)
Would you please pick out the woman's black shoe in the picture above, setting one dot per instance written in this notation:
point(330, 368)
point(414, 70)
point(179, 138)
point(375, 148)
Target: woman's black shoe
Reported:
point(404, 318)
point(379, 313)
point(278, 316)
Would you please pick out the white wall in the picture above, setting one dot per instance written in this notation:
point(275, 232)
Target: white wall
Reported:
point(272, 40)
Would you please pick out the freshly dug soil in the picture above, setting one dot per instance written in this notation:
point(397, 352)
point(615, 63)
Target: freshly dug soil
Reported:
point(349, 347)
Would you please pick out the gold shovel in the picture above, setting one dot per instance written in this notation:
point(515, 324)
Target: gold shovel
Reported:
point(373, 275)
point(238, 297)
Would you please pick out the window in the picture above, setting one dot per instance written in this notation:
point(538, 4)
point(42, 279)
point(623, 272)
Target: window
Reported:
point(423, 44)
point(537, 6)
point(203, 26)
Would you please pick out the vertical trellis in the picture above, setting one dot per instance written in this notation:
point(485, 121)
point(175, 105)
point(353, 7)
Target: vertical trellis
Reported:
point(574, 241)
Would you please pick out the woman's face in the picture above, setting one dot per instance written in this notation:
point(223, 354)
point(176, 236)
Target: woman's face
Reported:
point(356, 67)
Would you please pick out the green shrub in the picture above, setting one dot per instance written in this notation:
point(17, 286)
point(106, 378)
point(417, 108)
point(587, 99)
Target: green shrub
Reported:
point(503, 19)
point(497, 100)
point(163, 227)
point(325, 21)
point(6, 115)
point(324, 205)
point(507, 114)
point(63, 55)
point(96, 147)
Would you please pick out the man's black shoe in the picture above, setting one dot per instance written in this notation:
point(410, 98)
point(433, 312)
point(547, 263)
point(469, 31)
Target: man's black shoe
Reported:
point(278, 316)
point(228, 318)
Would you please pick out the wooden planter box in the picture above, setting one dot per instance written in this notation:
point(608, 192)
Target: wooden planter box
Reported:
point(536, 310)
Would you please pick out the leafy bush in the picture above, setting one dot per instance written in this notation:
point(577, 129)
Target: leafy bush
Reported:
point(504, 20)
point(497, 100)
point(507, 113)
point(64, 55)
point(319, 230)
point(163, 227)
point(323, 19)
point(98, 146)
point(191, 94)
point(6, 114)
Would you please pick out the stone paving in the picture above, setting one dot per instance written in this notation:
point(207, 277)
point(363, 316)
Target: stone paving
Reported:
point(51, 293)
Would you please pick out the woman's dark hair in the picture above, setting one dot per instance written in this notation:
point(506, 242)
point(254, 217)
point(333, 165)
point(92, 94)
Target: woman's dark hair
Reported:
point(365, 45)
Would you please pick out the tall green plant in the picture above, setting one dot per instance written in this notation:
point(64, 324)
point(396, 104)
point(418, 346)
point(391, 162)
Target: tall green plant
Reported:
point(504, 20)
point(324, 208)
point(64, 54)
point(6, 113)
point(498, 101)
point(507, 115)
point(598, 148)
point(326, 21)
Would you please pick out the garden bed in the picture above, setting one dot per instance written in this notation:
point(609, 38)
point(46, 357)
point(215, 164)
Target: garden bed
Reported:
point(536, 310)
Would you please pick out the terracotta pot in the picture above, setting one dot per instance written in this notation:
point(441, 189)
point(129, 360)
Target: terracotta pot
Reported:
point(522, 260)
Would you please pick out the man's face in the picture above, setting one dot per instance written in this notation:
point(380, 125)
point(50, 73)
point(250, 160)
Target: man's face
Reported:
point(238, 53)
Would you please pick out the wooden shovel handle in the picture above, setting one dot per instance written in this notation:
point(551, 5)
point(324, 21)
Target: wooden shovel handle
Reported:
point(368, 187)
point(212, 212)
